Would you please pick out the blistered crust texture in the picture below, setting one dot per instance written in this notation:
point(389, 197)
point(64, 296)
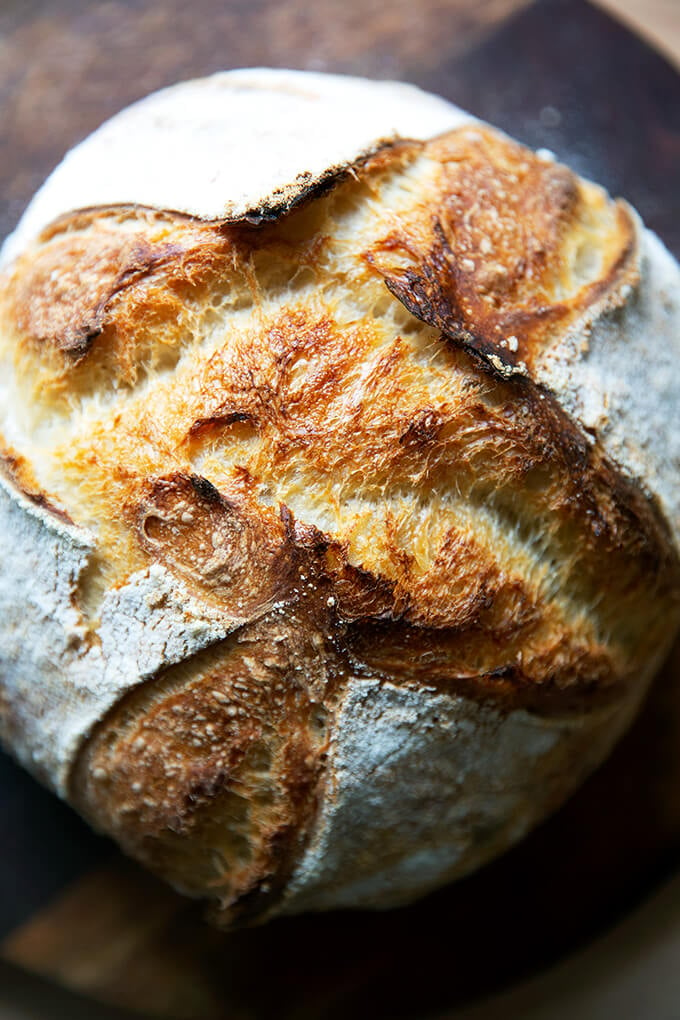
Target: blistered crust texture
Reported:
point(349, 527)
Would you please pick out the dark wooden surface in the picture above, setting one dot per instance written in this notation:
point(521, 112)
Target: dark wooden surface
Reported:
point(557, 73)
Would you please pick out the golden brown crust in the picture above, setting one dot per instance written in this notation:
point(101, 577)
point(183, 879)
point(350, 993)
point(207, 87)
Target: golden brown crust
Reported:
point(64, 298)
point(18, 470)
point(514, 249)
point(209, 775)
point(366, 477)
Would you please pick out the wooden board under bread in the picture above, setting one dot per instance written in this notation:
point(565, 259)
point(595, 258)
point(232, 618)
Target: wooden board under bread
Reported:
point(558, 74)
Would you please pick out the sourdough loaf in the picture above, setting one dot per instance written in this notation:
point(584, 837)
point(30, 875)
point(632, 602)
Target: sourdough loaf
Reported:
point(339, 518)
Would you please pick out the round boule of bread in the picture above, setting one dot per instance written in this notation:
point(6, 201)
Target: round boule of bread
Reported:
point(339, 512)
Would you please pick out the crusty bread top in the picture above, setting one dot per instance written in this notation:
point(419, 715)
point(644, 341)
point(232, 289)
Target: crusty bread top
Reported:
point(177, 384)
point(249, 144)
point(394, 433)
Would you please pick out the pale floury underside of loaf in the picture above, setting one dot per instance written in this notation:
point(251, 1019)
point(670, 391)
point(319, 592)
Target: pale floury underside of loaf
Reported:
point(340, 517)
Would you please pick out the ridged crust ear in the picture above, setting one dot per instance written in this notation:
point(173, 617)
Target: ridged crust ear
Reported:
point(339, 519)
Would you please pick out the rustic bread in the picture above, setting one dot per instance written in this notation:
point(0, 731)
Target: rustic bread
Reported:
point(339, 518)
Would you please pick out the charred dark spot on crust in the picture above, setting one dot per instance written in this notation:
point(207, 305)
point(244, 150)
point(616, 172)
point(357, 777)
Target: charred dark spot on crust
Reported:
point(219, 421)
point(423, 430)
point(17, 470)
point(285, 200)
point(206, 490)
point(308, 189)
point(432, 293)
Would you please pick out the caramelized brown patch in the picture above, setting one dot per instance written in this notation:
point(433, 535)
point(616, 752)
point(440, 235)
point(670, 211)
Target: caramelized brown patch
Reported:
point(511, 248)
point(245, 424)
point(91, 302)
point(209, 775)
point(540, 668)
point(356, 594)
point(242, 555)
